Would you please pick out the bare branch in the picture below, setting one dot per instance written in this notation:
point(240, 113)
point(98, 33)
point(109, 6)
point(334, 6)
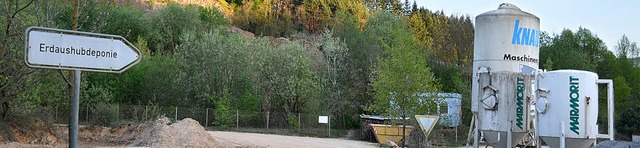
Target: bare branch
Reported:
point(65, 78)
point(26, 85)
point(29, 4)
point(22, 76)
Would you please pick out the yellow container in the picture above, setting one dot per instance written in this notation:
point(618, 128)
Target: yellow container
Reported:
point(390, 132)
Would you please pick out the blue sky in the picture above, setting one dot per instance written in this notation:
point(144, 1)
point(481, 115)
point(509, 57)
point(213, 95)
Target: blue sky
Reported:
point(609, 20)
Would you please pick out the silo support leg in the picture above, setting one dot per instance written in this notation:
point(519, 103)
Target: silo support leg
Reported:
point(471, 130)
point(562, 142)
point(509, 136)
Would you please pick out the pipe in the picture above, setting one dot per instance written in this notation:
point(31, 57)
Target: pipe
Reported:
point(536, 125)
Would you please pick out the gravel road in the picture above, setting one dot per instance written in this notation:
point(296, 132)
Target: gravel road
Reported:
point(235, 139)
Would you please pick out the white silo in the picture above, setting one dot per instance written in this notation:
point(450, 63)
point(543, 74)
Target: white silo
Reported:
point(567, 107)
point(505, 41)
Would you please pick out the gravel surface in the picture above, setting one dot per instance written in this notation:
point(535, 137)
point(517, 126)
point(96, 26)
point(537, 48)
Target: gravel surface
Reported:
point(618, 144)
point(235, 139)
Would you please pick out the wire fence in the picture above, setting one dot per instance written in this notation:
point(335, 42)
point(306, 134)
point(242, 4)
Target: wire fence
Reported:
point(305, 124)
point(230, 120)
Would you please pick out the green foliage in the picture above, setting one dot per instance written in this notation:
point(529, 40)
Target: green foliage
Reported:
point(293, 121)
point(93, 94)
point(580, 50)
point(231, 73)
point(222, 113)
point(44, 93)
point(627, 124)
point(143, 46)
point(622, 94)
point(378, 62)
point(248, 102)
point(402, 72)
point(548, 64)
point(126, 21)
point(626, 48)
point(335, 53)
point(359, 58)
point(286, 79)
point(212, 17)
point(168, 24)
point(585, 51)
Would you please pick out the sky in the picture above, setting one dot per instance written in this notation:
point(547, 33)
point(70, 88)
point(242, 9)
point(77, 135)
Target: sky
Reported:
point(608, 20)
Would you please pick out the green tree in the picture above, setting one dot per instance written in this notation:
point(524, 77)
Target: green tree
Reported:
point(168, 24)
point(629, 126)
point(419, 27)
point(626, 48)
point(360, 56)
point(580, 50)
point(228, 79)
point(335, 52)
point(631, 71)
point(15, 77)
point(401, 74)
point(126, 21)
point(621, 94)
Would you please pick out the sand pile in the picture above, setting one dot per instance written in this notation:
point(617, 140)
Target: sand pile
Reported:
point(184, 133)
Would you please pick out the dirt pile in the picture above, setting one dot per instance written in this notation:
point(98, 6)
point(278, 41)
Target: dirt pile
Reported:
point(27, 130)
point(184, 133)
point(158, 133)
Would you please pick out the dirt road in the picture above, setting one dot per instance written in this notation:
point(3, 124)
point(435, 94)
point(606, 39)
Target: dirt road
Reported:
point(234, 139)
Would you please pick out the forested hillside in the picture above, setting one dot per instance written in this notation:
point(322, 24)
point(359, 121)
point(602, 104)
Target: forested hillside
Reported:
point(338, 57)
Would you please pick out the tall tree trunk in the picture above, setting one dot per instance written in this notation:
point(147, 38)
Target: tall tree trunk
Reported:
point(404, 126)
point(5, 110)
point(74, 26)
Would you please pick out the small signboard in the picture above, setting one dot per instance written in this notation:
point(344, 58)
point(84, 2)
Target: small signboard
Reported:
point(74, 50)
point(323, 119)
point(427, 123)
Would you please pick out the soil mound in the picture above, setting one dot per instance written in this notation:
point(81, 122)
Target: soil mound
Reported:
point(184, 133)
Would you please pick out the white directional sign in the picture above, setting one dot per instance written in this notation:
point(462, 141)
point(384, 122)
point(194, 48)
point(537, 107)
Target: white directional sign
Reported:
point(74, 50)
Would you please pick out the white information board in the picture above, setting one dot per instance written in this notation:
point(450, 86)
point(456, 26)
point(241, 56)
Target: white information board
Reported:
point(323, 119)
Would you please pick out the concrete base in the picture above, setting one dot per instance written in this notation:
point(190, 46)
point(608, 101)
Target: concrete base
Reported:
point(636, 138)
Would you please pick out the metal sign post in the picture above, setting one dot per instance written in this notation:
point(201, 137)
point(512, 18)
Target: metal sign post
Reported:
point(78, 51)
point(75, 107)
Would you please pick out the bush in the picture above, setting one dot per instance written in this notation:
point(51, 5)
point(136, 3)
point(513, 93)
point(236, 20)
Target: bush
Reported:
point(212, 17)
point(128, 22)
point(168, 24)
point(104, 114)
point(627, 124)
point(293, 121)
point(222, 116)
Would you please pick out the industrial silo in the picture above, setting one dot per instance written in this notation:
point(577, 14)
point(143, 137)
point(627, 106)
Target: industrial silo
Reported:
point(567, 107)
point(506, 41)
